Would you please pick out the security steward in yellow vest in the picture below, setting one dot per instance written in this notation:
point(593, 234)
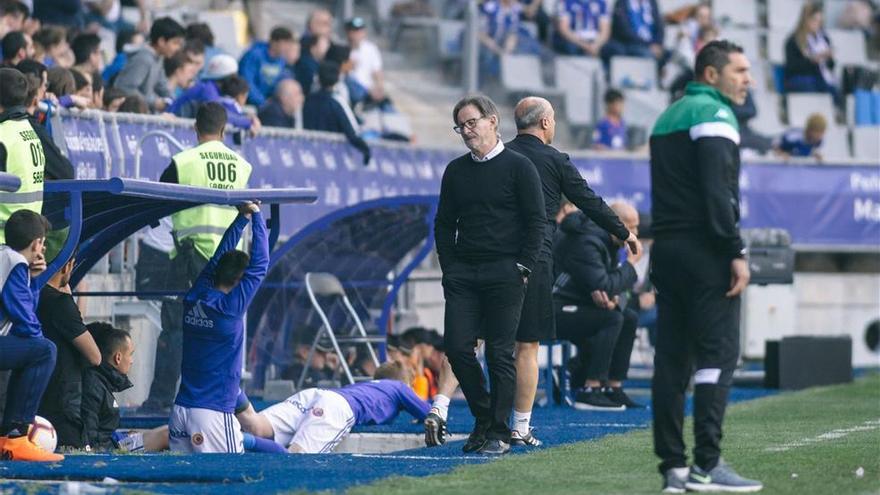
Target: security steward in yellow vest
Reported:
point(21, 152)
point(197, 232)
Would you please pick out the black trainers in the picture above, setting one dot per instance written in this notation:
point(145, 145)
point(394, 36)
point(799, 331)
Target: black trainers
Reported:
point(592, 399)
point(529, 439)
point(618, 396)
point(721, 478)
point(494, 447)
point(476, 439)
point(435, 430)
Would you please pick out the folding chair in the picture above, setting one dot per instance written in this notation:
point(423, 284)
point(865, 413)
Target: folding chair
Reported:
point(328, 287)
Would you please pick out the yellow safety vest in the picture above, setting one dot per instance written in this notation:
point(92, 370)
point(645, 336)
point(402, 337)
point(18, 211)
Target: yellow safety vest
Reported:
point(210, 164)
point(24, 159)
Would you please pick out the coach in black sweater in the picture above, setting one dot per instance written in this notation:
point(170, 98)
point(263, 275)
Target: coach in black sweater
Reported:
point(536, 127)
point(489, 228)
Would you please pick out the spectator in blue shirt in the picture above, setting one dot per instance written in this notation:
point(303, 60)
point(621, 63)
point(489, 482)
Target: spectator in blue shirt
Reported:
point(502, 33)
point(264, 64)
point(804, 142)
point(201, 33)
point(610, 131)
point(234, 91)
point(636, 30)
point(127, 41)
point(323, 110)
point(314, 45)
point(284, 108)
point(219, 70)
point(582, 27)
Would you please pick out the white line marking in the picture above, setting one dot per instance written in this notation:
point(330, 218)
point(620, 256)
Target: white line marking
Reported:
point(869, 425)
point(608, 425)
point(420, 457)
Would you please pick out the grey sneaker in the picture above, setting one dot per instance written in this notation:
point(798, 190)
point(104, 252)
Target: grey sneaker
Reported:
point(674, 480)
point(722, 478)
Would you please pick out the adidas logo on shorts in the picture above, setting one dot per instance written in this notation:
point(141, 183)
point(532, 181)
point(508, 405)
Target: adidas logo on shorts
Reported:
point(196, 316)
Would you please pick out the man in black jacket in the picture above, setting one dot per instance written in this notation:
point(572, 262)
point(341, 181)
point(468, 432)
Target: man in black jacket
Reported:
point(489, 228)
point(324, 111)
point(589, 310)
point(536, 126)
point(100, 411)
point(698, 267)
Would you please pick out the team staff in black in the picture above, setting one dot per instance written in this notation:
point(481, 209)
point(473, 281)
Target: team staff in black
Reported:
point(698, 267)
point(536, 126)
point(489, 228)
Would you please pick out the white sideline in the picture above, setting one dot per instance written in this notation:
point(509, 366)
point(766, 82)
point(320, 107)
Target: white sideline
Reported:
point(871, 424)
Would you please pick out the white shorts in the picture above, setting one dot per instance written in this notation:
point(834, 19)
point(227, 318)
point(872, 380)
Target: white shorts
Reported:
point(203, 431)
point(316, 420)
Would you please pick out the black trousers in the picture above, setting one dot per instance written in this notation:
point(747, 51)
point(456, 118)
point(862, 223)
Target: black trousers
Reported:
point(185, 267)
point(620, 358)
point(594, 332)
point(485, 300)
point(697, 328)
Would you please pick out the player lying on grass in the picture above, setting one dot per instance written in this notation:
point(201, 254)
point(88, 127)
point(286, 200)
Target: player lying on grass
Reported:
point(314, 421)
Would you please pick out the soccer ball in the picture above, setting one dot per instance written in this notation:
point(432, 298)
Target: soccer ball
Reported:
point(42, 434)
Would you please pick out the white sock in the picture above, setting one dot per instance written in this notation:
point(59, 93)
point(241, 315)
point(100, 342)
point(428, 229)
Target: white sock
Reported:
point(521, 421)
point(441, 404)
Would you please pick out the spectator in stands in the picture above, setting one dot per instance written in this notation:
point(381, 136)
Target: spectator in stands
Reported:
point(17, 46)
point(533, 10)
point(502, 33)
point(264, 64)
point(23, 348)
point(366, 83)
point(100, 411)
point(82, 86)
point(803, 142)
point(66, 13)
point(341, 56)
point(315, 42)
point(127, 41)
point(108, 14)
point(284, 108)
point(51, 48)
point(144, 74)
point(97, 90)
point(113, 99)
point(76, 350)
point(219, 68)
point(201, 32)
point(748, 137)
point(636, 30)
point(12, 16)
point(587, 303)
point(134, 104)
point(87, 54)
point(234, 92)
point(809, 58)
point(610, 131)
point(180, 71)
point(323, 111)
point(195, 52)
point(582, 27)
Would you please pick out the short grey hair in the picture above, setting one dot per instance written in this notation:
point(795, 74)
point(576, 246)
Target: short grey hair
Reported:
point(529, 112)
point(482, 103)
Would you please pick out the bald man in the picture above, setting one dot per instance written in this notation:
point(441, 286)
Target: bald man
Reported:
point(589, 299)
point(536, 126)
point(284, 107)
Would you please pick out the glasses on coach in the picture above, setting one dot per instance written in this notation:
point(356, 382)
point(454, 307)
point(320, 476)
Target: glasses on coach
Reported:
point(470, 124)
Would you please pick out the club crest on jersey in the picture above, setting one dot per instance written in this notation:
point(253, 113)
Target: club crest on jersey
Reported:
point(196, 316)
point(317, 412)
point(198, 439)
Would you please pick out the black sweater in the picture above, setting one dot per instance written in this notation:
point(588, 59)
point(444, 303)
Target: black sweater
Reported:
point(798, 64)
point(489, 210)
point(586, 260)
point(559, 176)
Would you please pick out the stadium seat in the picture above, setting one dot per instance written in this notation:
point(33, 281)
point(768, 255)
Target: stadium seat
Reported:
point(643, 107)
point(747, 38)
point(776, 46)
point(835, 145)
point(759, 76)
point(866, 143)
point(767, 121)
point(739, 13)
point(849, 47)
point(633, 72)
point(782, 15)
point(522, 73)
point(325, 290)
point(576, 78)
point(801, 105)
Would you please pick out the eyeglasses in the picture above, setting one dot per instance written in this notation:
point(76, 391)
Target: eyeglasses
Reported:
point(470, 124)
